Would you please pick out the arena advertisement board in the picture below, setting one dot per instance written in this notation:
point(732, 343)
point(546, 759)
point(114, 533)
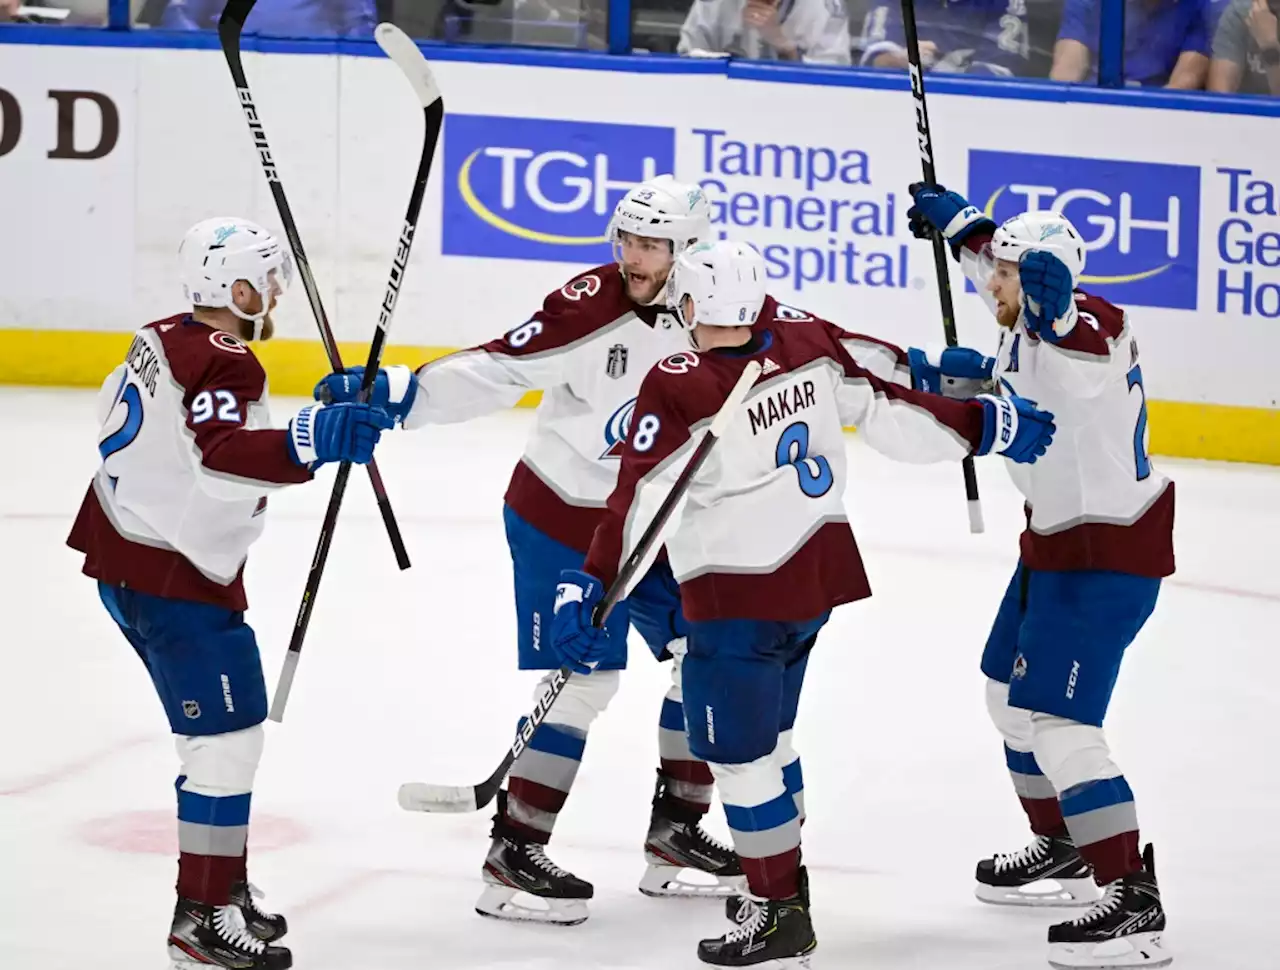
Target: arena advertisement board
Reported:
point(539, 188)
point(1178, 209)
point(1140, 221)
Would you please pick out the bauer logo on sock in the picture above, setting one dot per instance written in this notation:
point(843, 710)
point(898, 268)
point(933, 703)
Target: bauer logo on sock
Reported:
point(541, 188)
point(1140, 221)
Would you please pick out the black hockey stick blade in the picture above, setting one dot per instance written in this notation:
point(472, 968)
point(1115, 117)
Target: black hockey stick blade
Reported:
point(230, 28)
point(924, 137)
point(417, 796)
point(409, 59)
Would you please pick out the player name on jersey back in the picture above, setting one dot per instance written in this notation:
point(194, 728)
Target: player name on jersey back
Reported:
point(762, 532)
point(188, 457)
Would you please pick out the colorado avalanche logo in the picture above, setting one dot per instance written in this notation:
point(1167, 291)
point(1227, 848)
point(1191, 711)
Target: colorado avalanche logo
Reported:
point(615, 430)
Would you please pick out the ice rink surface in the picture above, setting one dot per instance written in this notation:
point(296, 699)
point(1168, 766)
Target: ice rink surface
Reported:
point(411, 677)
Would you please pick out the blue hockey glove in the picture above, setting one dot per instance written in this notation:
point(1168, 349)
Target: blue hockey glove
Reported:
point(1046, 291)
point(336, 432)
point(578, 644)
point(948, 212)
point(955, 372)
point(1014, 427)
point(393, 389)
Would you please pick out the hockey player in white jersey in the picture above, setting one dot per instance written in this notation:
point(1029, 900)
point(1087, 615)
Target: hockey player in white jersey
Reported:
point(188, 459)
point(1099, 538)
point(761, 545)
point(587, 349)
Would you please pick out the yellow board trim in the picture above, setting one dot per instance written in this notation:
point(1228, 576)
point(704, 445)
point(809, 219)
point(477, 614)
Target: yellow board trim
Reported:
point(83, 358)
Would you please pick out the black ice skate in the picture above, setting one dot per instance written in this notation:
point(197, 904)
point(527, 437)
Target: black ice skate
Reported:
point(517, 865)
point(676, 842)
point(777, 933)
point(742, 906)
point(216, 936)
point(1125, 928)
point(268, 927)
point(1048, 872)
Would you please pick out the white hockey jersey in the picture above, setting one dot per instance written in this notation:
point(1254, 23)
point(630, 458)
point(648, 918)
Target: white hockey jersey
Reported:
point(1095, 500)
point(762, 532)
point(188, 457)
point(587, 349)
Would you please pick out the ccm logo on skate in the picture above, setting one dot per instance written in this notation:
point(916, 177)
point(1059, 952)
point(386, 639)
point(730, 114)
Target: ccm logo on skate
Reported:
point(534, 188)
point(1140, 221)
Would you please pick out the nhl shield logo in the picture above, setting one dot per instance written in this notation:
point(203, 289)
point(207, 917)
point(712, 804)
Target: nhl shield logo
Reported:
point(617, 364)
point(191, 709)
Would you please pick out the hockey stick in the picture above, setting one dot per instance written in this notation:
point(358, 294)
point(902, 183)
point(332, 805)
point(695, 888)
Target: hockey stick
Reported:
point(230, 27)
point(398, 46)
point(422, 797)
point(939, 245)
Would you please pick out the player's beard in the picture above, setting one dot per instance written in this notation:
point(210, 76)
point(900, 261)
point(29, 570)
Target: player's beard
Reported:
point(1006, 315)
point(268, 329)
point(645, 292)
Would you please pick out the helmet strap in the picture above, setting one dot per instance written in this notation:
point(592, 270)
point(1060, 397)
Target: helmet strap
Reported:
point(257, 319)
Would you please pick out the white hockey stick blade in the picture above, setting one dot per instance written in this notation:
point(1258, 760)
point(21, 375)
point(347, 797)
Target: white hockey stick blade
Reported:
point(976, 524)
point(399, 46)
point(736, 396)
point(417, 796)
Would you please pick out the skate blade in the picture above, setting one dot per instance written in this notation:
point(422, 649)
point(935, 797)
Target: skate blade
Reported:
point(802, 962)
point(662, 881)
point(506, 903)
point(1138, 950)
point(1045, 892)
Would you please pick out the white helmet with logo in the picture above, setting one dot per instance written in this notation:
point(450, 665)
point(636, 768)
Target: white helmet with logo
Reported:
point(663, 208)
point(218, 252)
point(726, 281)
point(1048, 231)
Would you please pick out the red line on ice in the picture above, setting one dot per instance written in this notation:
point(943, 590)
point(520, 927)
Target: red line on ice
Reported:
point(33, 783)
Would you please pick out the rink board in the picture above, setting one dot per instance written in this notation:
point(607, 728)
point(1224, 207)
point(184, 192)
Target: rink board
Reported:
point(123, 148)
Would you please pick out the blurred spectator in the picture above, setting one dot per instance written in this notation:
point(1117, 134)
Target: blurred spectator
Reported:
point(9, 12)
point(813, 31)
point(969, 37)
point(283, 18)
point(1246, 50)
point(544, 23)
point(1166, 42)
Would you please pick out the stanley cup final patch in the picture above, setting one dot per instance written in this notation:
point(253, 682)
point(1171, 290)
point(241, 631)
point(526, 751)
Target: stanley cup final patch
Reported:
point(617, 363)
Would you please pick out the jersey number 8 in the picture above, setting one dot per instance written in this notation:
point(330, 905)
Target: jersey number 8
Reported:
point(816, 477)
point(646, 432)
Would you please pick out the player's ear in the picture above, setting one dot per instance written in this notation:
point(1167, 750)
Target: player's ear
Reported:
point(242, 294)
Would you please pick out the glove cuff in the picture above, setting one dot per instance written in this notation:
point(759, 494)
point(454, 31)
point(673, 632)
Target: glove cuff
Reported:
point(968, 221)
point(999, 424)
point(399, 379)
point(302, 448)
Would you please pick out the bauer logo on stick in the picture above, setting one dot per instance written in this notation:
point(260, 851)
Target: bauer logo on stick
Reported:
point(1140, 221)
point(535, 188)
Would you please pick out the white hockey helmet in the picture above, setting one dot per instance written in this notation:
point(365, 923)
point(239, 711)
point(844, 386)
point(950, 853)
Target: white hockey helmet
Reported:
point(1043, 230)
point(726, 281)
point(218, 252)
point(662, 208)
